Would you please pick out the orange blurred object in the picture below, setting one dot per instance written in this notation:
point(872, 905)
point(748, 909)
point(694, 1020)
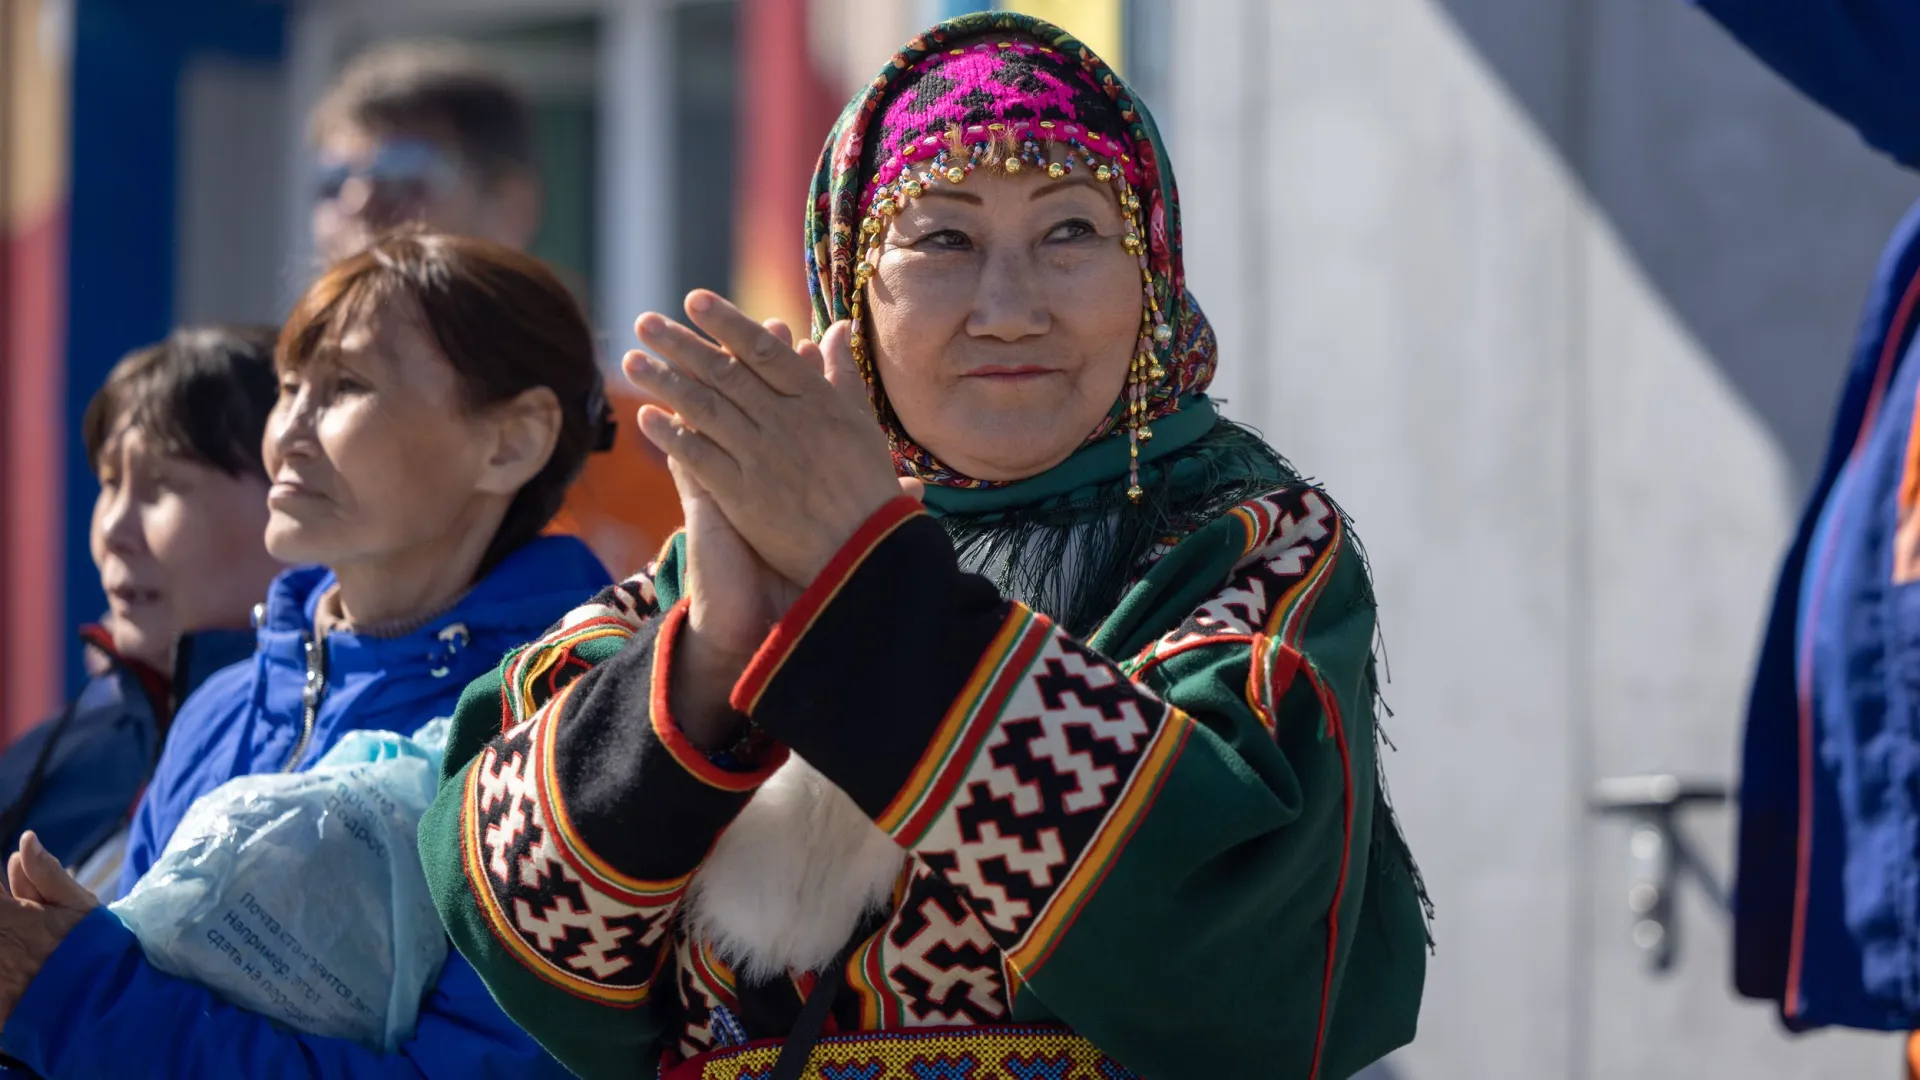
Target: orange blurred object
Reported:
point(624, 505)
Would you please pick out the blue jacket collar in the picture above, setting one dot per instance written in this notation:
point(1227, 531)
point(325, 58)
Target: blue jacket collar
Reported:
point(204, 652)
point(517, 599)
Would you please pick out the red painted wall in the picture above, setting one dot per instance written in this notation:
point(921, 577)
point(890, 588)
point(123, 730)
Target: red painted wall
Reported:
point(33, 231)
point(786, 110)
point(30, 525)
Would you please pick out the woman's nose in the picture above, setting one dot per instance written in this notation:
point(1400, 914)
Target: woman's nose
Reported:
point(1008, 304)
point(119, 523)
point(289, 426)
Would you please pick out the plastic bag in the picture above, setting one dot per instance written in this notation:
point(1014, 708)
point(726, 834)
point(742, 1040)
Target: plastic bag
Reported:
point(300, 896)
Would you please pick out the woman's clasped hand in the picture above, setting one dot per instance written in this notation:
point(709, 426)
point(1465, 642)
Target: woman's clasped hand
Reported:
point(781, 436)
point(778, 461)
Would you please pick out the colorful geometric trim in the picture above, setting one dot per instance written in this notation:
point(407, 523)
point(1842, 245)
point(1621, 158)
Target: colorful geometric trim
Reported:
point(932, 965)
point(800, 618)
point(1116, 152)
point(709, 1004)
point(532, 674)
point(981, 1053)
point(1271, 672)
point(605, 953)
point(1291, 545)
point(1330, 707)
point(1039, 773)
point(617, 610)
point(1288, 619)
point(1090, 870)
point(1257, 518)
point(667, 730)
point(880, 1006)
point(504, 931)
point(983, 98)
point(957, 740)
point(712, 971)
point(594, 871)
point(539, 663)
point(1164, 649)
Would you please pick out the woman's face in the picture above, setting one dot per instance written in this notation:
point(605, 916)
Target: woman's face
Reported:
point(1004, 315)
point(177, 544)
point(371, 452)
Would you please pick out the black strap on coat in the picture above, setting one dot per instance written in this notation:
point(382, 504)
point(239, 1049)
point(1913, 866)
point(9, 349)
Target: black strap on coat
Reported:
point(798, 1047)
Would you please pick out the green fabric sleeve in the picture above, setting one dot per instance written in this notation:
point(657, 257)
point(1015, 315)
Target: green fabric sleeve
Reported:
point(558, 852)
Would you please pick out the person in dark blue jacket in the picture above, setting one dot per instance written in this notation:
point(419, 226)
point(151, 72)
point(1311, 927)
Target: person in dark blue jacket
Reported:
point(1827, 897)
point(173, 437)
point(437, 396)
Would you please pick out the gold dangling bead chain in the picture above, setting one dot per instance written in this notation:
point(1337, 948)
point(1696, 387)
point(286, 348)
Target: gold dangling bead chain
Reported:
point(1145, 369)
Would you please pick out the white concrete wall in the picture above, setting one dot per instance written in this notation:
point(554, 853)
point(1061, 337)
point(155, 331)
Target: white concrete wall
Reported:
point(1554, 295)
point(230, 264)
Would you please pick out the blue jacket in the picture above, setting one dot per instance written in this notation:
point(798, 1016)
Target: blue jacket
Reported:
point(97, 1006)
point(74, 779)
point(1827, 894)
point(1858, 58)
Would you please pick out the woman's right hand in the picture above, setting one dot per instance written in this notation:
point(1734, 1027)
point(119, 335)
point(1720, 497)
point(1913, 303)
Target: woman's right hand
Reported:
point(734, 598)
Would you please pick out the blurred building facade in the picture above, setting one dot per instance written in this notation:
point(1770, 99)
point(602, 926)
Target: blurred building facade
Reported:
point(34, 104)
point(1553, 294)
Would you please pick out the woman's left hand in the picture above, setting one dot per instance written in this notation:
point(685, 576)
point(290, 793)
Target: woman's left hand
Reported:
point(47, 903)
point(783, 438)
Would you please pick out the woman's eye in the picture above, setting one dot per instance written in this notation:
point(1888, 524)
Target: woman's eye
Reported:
point(347, 384)
point(1076, 229)
point(952, 239)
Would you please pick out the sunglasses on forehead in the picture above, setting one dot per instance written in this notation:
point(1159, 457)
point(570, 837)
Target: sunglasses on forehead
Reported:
point(401, 169)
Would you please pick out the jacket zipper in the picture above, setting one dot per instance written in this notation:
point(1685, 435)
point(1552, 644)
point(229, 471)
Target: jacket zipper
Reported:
point(310, 697)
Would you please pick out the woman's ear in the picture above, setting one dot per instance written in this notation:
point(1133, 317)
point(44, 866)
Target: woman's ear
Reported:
point(526, 428)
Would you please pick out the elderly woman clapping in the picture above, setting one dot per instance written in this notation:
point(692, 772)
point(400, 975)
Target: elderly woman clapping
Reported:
point(1070, 764)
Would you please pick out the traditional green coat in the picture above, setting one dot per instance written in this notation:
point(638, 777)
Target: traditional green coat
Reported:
point(1168, 840)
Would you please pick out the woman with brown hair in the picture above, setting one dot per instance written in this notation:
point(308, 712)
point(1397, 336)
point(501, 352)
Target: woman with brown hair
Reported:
point(437, 395)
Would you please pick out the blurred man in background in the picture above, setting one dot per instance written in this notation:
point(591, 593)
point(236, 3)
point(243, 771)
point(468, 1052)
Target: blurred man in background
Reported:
point(431, 133)
point(427, 134)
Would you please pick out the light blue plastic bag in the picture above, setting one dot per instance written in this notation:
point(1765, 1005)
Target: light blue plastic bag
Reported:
point(300, 896)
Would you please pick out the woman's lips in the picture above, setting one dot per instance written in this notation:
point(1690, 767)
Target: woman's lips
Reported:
point(1010, 373)
point(286, 491)
point(126, 596)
